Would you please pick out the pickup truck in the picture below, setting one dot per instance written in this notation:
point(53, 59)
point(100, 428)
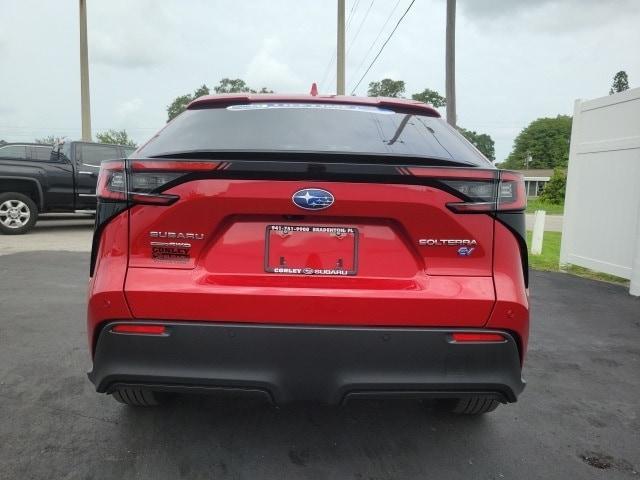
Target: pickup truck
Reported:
point(46, 178)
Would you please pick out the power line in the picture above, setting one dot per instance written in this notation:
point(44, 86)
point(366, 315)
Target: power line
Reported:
point(364, 19)
point(333, 55)
point(383, 45)
point(366, 55)
point(326, 71)
point(350, 16)
point(357, 33)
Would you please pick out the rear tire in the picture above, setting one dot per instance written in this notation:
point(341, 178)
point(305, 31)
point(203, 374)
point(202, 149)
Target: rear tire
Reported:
point(473, 405)
point(18, 213)
point(136, 397)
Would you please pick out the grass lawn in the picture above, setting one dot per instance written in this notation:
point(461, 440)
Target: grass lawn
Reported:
point(550, 258)
point(534, 204)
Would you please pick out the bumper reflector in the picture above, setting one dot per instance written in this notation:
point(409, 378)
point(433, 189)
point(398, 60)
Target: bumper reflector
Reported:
point(470, 337)
point(140, 329)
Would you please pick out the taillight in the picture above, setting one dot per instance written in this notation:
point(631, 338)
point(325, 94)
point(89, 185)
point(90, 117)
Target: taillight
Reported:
point(483, 190)
point(506, 192)
point(173, 165)
point(142, 181)
point(111, 181)
point(480, 195)
point(511, 194)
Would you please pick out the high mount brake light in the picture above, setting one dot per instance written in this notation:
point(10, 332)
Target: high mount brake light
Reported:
point(140, 181)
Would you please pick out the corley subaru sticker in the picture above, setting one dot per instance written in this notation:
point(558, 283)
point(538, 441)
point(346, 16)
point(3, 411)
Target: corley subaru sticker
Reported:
point(312, 199)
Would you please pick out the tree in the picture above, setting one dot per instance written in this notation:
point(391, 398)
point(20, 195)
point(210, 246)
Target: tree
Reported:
point(226, 85)
point(179, 105)
point(620, 82)
point(49, 140)
point(430, 96)
point(396, 88)
point(237, 85)
point(2, 142)
point(118, 137)
point(386, 88)
point(481, 141)
point(555, 188)
point(544, 141)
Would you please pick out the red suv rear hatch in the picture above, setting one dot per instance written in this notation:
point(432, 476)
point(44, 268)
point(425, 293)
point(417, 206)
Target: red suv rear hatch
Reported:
point(321, 214)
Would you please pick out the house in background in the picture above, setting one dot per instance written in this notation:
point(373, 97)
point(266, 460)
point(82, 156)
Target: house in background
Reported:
point(535, 180)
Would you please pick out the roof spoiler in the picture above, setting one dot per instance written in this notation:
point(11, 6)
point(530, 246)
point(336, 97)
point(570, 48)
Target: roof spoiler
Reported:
point(398, 104)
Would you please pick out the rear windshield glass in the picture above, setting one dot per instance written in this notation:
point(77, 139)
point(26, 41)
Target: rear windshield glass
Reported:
point(318, 128)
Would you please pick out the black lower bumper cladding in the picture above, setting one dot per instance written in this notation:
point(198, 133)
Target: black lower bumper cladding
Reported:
point(309, 363)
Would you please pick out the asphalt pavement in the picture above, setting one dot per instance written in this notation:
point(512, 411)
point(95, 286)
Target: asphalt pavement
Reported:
point(578, 418)
point(552, 223)
point(53, 232)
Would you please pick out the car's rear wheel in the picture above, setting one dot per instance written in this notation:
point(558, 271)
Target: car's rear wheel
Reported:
point(472, 405)
point(18, 213)
point(136, 397)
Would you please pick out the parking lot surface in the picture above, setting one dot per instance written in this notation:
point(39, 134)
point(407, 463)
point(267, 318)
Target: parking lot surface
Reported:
point(53, 232)
point(579, 416)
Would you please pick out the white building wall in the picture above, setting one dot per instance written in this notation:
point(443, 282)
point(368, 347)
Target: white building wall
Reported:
point(601, 228)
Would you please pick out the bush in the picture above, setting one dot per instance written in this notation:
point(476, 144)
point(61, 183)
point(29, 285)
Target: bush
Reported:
point(555, 188)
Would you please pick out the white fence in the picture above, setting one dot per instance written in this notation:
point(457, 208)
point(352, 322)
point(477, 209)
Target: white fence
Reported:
point(601, 228)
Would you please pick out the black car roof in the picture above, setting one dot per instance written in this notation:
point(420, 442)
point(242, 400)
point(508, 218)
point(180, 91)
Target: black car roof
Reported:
point(32, 144)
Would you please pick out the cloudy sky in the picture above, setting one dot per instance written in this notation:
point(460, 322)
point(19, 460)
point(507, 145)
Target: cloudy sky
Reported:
point(517, 60)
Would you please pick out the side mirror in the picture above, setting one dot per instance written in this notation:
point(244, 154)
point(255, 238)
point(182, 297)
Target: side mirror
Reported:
point(57, 148)
point(57, 144)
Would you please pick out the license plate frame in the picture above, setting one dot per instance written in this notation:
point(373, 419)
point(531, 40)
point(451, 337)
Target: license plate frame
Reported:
point(333, 231)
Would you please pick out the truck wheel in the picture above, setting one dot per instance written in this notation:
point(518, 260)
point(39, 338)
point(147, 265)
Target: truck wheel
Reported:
point(136, 397)
point(473, 405)
point(18, 213)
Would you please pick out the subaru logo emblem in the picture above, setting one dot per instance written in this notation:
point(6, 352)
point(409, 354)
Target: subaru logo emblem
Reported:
point(312, 199)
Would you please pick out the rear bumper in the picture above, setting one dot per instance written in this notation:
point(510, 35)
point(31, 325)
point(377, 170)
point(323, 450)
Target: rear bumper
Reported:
point(326, 364)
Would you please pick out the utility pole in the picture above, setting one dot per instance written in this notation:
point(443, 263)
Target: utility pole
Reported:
point(450, 59)
point(85, 102)
point(341, 52)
